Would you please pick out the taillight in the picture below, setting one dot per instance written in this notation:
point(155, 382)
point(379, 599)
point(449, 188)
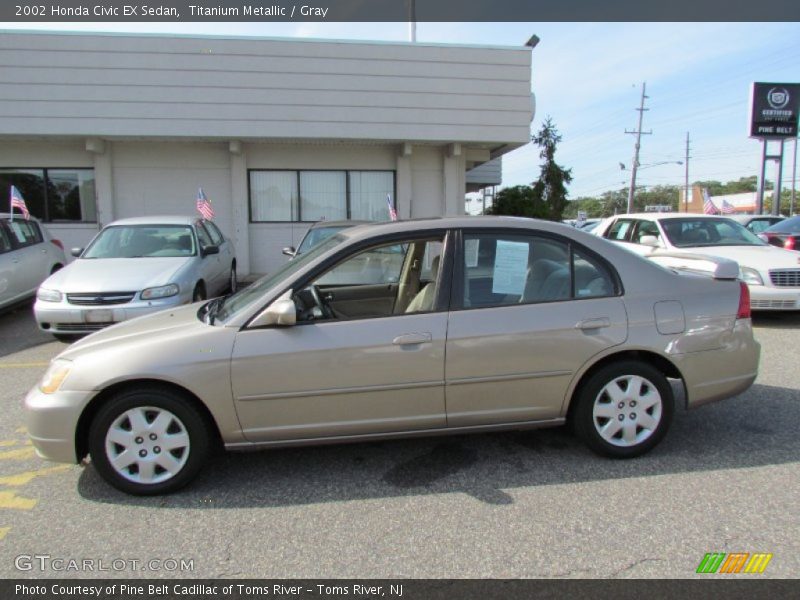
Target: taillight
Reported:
point(58, 243)
point(789, 243)
point(744, 301)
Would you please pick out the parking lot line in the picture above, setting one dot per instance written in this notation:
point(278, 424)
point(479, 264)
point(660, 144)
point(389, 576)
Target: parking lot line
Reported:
point(29, 365)
point(11, 500)
point(27, 476)
point(27, 452)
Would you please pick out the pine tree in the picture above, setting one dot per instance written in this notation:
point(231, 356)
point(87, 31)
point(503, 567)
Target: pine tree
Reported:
point(550, 190)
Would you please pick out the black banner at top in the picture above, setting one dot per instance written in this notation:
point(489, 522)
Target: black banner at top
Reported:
point(32, 11)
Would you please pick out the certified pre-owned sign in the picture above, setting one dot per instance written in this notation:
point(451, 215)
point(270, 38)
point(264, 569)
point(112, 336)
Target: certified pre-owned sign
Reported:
point(774, 108)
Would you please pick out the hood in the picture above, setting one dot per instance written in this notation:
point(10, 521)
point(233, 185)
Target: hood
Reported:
point(115, 274)
point(756, 257)
point(162, 325)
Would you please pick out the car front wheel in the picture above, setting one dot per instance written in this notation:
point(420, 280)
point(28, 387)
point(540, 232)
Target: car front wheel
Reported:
point(624, 410)
point(149, 441)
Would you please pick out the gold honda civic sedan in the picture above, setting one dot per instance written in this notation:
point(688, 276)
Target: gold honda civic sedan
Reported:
point(403, 329)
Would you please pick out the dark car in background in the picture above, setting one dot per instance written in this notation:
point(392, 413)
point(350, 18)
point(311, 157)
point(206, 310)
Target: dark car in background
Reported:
point(785, 234)
point(757, 223)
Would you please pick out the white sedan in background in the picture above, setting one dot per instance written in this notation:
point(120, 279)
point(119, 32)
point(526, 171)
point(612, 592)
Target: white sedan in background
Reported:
point(681, 240)
point(134, 267)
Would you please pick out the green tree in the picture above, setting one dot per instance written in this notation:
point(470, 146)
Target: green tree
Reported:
point(551, 187)
point(517, 201)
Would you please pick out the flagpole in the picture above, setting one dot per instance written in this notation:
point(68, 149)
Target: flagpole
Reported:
point(10, 205)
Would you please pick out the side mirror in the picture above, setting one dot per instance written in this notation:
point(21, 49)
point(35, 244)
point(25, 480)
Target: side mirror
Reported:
point(289, 251)
point(210, 250)
point(281, 312)
point(76, 252)
point(649, 240)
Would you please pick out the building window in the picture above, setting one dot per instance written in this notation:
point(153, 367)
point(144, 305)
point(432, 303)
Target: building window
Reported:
point(323, 195)
point(368, 193)
point(320, 195)
point(54, 194)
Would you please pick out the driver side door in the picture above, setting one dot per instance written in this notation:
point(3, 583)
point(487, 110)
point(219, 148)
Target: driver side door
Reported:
point(361, 364)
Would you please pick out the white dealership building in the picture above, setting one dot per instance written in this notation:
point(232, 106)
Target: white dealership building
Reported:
point(279, 133)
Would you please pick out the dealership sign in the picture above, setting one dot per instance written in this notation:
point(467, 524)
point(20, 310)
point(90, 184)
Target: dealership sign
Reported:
point(773, 110)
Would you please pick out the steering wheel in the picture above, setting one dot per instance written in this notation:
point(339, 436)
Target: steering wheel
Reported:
point(326, 310)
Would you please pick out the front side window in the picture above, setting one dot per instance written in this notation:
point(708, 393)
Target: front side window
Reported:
point(381, 281)
point(511, 269)
point(646, 228)
point(54, 194)
point(5, 242)
point(216, 235)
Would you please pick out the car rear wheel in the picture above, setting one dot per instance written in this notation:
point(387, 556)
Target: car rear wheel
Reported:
point(624, 410)
point(149, 441)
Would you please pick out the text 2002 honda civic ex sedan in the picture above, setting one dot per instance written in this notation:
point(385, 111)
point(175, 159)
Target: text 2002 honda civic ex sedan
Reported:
point(400, 329)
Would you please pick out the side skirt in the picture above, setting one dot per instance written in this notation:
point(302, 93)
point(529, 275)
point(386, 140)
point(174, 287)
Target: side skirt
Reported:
point(366, 437)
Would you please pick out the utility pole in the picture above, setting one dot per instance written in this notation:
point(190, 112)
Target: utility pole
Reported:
point(638, 132)
point(794, 178)
point(686, 176)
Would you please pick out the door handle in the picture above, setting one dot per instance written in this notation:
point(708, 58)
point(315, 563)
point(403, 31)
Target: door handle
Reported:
point(597, 323)
point(408, 339)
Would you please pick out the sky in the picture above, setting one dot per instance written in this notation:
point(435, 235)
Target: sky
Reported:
point(587, 77)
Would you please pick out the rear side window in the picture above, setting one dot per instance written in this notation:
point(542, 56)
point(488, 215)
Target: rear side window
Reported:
point(505, 270)
point(619, 230)
point(25, 233)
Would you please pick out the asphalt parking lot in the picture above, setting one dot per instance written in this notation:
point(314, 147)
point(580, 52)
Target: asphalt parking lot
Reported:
point(532, 504)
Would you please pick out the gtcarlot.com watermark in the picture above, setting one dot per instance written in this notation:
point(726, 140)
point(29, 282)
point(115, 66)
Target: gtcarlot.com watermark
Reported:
point(43, 563)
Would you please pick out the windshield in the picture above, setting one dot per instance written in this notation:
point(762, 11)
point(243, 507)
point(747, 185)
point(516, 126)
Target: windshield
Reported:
point(317, 235)
point(695, 233)
point(791, 225)
point(142, 241)
point(246, 296)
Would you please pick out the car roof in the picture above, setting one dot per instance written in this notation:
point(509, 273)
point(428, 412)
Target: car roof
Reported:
point(463, 222)
point(748, 218)
point(157, 220)
point(671, 215)
point(343, 224)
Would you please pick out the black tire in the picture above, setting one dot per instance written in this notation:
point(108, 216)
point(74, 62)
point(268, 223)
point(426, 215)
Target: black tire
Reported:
point(233, 280)
point(621, 412)
point(183, 418)
point(67, 338)
point(199, 293)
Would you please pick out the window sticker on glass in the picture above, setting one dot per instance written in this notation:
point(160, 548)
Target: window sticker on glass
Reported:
point(471, 248)
point(510, 267)
point(17, 232)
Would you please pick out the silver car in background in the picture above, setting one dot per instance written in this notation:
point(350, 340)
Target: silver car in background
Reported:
point(134, 267)
point(28, 255)
point(402, 329)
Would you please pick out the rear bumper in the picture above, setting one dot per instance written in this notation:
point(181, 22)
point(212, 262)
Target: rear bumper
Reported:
point(724, 372)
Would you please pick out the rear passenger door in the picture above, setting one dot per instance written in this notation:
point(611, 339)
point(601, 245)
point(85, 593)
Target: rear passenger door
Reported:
point(527, 311)
point(30, 259)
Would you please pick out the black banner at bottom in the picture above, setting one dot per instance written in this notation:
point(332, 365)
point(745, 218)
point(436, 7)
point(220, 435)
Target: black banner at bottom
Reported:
point(405, 589)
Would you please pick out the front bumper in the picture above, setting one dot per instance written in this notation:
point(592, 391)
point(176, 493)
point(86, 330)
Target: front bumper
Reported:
point(51, 420)
point(62, 317)
point(765, 297)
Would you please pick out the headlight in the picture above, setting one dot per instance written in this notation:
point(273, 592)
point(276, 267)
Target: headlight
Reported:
point(165, 291)
point(750, 276)
point(55, 376)
point(48, 295)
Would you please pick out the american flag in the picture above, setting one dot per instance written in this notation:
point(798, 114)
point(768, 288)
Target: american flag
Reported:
point(727, 208)
point(392, 211)
point(17, 201)
point(204, 206)
point(708, 205)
